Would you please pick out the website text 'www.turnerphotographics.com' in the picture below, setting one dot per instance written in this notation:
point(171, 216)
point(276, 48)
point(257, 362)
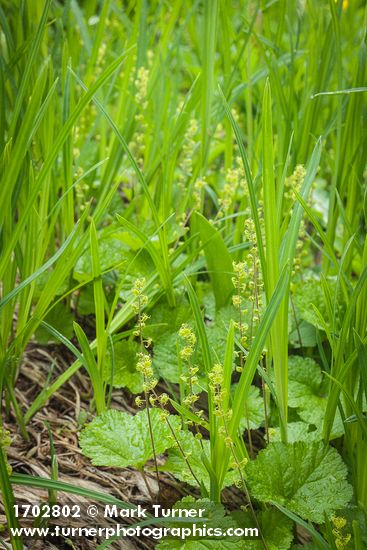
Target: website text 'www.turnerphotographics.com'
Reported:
point(199, 528)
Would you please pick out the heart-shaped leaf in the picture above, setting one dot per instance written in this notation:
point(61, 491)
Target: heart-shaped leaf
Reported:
point(307, 478)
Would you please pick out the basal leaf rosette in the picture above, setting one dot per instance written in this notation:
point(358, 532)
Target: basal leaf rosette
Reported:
point(307, 478)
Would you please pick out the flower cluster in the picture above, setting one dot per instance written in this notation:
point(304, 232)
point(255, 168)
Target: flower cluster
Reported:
point(239, 282)
point(188, 150)
point(294, 182)
point(235, 178)
point(248, 283)
point(144, 365)
point(341, 540)
point(255, 282)
point(238, 464)
point(81, 189)
point(189, 378)
point(187, 334)
point(301, 249)
point(141, 299)
point(219, 395)
point(137, 145)
point(100, 58)
point(198, 195)
point(216, 379)
point(138, 304)
point(141, 83)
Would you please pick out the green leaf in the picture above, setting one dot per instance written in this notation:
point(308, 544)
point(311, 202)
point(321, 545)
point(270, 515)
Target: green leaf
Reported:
point(254, 410)
point(218, 259)
point(309, 546)
point(164, 318)
point(307, 478)
point(149, 245)
point(310, 293)
point(193, 450)
point(111, 252)
point(215, 517)
point(92, 368)
point(206, 297)
point(125, 374)
point(275, 527)
point(99, 297)
point(306, 377)
point(119, 439)
point(85, 304)
point(187, 414)
point(203, 544)
point(297, 431)
point(225, 315)
point(306, 525)
point(165, 347)
point(308, 393)
point(303, 335)
point(217, 336)
point(61, 318)
point(41, 282)
point(8, 499)
point(165, 360)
